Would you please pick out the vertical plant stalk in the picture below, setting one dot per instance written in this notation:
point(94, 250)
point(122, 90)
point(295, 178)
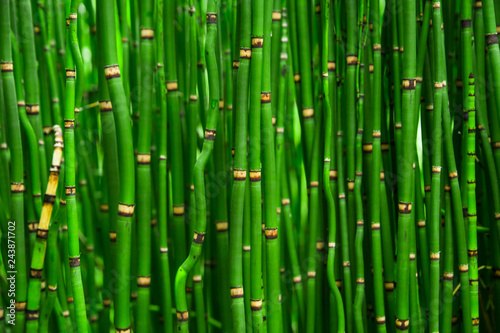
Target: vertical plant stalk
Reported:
point(17, 164)
point(38, 257)
point(240, 165)
point(126, 172)
point(199, 168)
point(142, 322)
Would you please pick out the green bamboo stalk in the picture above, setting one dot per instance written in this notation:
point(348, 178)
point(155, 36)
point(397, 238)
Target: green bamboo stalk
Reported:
point(239, 168)
point(126, 171)
point(199, 183)
point(446, 316)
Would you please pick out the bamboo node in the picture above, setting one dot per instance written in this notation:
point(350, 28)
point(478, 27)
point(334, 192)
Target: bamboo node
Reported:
point(105, 106)
point(346, 264)
point(255, 175)
point(333, 174)
point(33, 226)
point(17, 187)
point(163, 249)
point(331, 245)
point(380, 320)
point(475, 321)
point(404, 207)
point(360, 281)
point(436, 169)
point(265, 97)
point(256, 305)
point(421, 224)
point(377, 47)
point(178, 210)
point(352, 59)
point(236, 63)
point(147, 33)
point(221, 104)
point(171, 85)
point(143, 158)
point(314, 183)
point(409, 84)
point(36, 273)
point(448, 276)
point(402, 325)
point(257, 42)
point(447, 188)
point(69, 300)
point(198, 238)
point(412, 256)
point(320, 245)
point(276, 15)
point(463, 268)
point(311, 274)
point(384, 147)
point(389, 285)
point(32, 314)
point(143, 281)
point(112, 236)
point(491, 39)
point(221, 226)
point(74, 262)
point(7, 66)
point(375, 226)
point(122, 330)
point(246, 248)
point(42, 233)
point(211, 18)
point(271, 233)
point(112, 71)
point(297, 279)
point(239, 175)
point(331, 66)
point(438, 85)
point(280, 130)
point(434, 255)
point(237, 292)
point(427, 188)
point(368, 147)
point(341, 196)
point(210, 134)
point(125, 210)
point(453, 174)
point(284, 39)
point(32, 109)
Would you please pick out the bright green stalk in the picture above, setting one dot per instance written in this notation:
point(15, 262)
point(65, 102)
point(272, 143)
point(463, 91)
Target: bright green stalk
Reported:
point(471, 205)
point(123, 6)
point(446, 316)
point(16, 209)
point(275, 55)
point(256, 293)
point(240, 168)
point(303, 42)
point(375, 176)
point(126, 162)
point(142, 322)
point(199, 182)
point(162, 180)
point(405, 179)
point(38, 257)
point(272, 251)
point(175, 138)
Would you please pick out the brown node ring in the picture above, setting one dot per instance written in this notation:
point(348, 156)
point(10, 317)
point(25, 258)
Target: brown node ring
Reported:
point(74, 262)
point(112, 71)
point(198, 238)
point(125, 210)
point(210, 134)
point(211, 18)
point(271, 233)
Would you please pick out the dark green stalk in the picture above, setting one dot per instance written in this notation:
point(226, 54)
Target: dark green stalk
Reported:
point(446, 316)
point(143, 175)
point(199, 182)
point(239, 167)
point(126, 169)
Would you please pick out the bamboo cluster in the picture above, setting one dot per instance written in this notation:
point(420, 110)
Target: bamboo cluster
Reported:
point(249, 166)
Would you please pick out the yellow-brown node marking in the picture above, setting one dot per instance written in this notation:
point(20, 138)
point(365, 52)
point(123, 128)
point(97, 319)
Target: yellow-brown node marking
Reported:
point(69, 300)
point(382, 175)
point(36, 273)
point(221, 226)
point(317, 8)
point(352, 60)
point(147, 33)
point(211, 18)
point(331, 245)
point(221, 104)
point(236, 63)
point(178, 210)
point(47, 130)
point(112, 236)
point(447, 188)
point(64, 228)
point(237, 292)
point(370, 68)
point(331, 66)
point(17, 187)
point(271, 233)
point(256, 305)
point(380, 320)
point(453, 174)
point(257, 42)
point(196, 278)
point(311, 274)
point(49, 198)
point(333, 174)
point(210, 134)
point(1, 314)
point(408, 84)
point(459, 84)
point(255, 176)
point(284, 39)
point(112, 71)
point(90, 248)
point(7, 66)
point(296, 78)
point(21, 104)
point(278, 210)
point(143, 158)
point(106, 303)
point(123, 330)
point(402, 325)
point(105, 106)
point(20, 306)
point(320, 245)
point(377, 47)
point(285, 202)
point(404, 207)
point(273, 120)
point(125, 210)
point(32, 314)
point(276, 15)
point(384, 147)
point(32, 109)
point(308, 112)
point(70, 190)
point(193, 98)
point(475, 321)
point(427, 188)
point(198, 238)
point(421, 224)
point(346, 264)
point(448, 276)
point(125, 40)
point(33, 226)
point(376, 226)
point(481, 128)
point(239, 175)
point(360, 281)
point(297, 279)
point(133, 295)
point(246, 248)
point(280, 130)
point(438, 85)
point(69, 123)
point(74, 262)
point(163, 249)
point(389, 285)
point(463, 268)
point(314, 183)
point(104, 208)
point(42, 285)
point(436, 169)
point(412, 256)
point(418, 79)
point(368, 147)
point(434, 255)
point(265, 97)
point(429, 107)
point(143, 281)
point(497, 216)
point(171, 85)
